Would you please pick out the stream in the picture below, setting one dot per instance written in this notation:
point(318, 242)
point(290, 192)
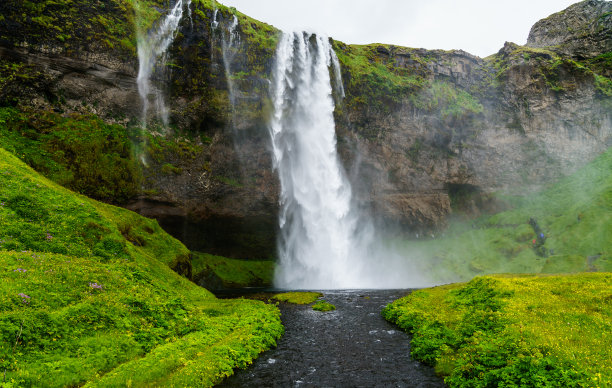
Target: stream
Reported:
point(352, 346)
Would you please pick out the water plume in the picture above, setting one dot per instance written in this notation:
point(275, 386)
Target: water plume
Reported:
point(324, 242)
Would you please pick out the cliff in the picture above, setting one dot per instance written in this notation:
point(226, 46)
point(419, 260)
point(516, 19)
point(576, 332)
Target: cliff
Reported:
point(419, 131)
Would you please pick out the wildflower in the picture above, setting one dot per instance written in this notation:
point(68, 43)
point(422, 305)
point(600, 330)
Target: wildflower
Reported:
point(20, 270)
point(49, 237)
point(95, 286)
point(25, 298)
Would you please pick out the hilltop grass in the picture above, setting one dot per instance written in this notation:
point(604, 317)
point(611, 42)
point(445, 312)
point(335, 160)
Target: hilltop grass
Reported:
point(513, 330)
point(297, 297)
point(575, 215)
point(233, 273)
point(88, 297)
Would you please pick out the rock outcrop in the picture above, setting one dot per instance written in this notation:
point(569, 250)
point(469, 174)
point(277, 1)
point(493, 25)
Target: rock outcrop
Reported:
point(420, 132)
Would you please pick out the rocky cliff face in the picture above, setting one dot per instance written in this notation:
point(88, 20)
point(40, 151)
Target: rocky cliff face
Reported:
point(419, 131)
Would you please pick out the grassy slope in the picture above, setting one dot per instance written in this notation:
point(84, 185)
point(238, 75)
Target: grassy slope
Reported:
point(575, 215)
point(513, 331)
point(233, 273)
point(87, 296)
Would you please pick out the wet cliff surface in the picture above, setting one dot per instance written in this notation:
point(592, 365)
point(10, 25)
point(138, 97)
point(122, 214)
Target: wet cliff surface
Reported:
point(352, 346)
point(419, 131)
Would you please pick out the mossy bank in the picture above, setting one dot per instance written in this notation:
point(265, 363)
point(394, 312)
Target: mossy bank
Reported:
point(513, 331)
point(89, 296)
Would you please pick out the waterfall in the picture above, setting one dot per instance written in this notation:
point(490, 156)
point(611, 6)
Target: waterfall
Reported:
point(318, 225)
point(325, 242)
point(152, 51)
point(229, 40)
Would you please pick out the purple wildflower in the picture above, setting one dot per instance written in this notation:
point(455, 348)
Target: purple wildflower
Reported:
point(20, 270)
point(25, 298)
point(49, 237)
point(95, 286)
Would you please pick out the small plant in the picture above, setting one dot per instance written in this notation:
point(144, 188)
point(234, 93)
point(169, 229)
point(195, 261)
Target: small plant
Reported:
point(322, 305)
point(298, 297)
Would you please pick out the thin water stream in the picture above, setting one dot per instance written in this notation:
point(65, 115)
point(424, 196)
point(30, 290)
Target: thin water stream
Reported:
point(352, 346)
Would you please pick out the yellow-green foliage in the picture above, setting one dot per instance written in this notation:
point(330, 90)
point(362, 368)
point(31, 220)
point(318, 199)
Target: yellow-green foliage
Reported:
point(87, 296)
point(298, 297)
point(374, 81)
point(323, 306)
point(514, 331)
point(80, 152)
point(234, 272)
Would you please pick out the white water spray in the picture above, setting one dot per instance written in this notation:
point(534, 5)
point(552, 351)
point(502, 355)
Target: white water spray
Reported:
point(229, 42)
point(324, 242)
point(152, 51)
point(317, 223)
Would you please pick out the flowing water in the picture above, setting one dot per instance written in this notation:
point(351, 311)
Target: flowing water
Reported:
point(325, 242)
point(318, 227)
point(352, 346)
point(152, 52)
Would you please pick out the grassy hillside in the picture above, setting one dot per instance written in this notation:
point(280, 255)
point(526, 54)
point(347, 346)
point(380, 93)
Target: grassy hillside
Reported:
point(552, 331)
point(575, 216)
point(88, 297)
point(219, 272)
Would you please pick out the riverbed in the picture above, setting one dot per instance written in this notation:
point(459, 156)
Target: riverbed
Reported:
point(352, 346)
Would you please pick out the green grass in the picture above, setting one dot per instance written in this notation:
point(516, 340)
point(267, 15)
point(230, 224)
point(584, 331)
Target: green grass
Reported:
point(80, 152)
point(88, 297)
point(323, 306)
point(233, 273)
point(575, 214)
point(513, 331)
point(297, 297)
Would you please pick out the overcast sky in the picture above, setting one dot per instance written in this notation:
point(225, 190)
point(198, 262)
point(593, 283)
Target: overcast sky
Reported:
point(479, 27)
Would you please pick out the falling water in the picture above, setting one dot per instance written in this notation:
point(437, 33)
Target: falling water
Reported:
point(152, 51)
point(316, 219)
point(325, 243)
point(229, 40)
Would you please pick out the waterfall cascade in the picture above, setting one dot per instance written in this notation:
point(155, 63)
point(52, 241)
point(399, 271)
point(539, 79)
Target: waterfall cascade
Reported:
point(229, 41)
point(325, 243)
point(152, 51)
point(318, 226)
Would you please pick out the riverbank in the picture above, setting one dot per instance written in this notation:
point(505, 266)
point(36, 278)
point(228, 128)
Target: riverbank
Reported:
point(513, 330)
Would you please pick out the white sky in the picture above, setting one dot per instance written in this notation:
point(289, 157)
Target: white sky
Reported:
point(479, 27)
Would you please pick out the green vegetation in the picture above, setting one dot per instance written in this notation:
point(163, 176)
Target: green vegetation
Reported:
point(297, 297)
point(323, 306)
point(88, 296)
point(575, 215)
point(233, 273)
point(513, 331)
point(77, 151)
point(372, 80)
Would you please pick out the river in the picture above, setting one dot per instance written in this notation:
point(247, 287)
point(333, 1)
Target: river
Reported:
point(352, 346)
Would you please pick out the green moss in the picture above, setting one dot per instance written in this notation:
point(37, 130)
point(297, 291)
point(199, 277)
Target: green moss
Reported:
point(371, 80)
point(77, 151)
point(323, 306)
point(233, 273)
point(509, 330)
point(88, 296)
point(298, 297)
point(169, 169)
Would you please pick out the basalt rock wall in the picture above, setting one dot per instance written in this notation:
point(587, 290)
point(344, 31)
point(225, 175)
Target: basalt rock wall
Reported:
point(420, 132)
